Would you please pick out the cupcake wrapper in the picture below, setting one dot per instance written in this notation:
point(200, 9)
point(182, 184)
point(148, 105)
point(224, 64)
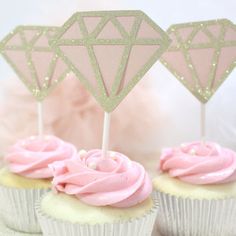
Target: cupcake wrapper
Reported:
point(192, 217)
point(5, 231)
point(17, 208)
point(141, 226)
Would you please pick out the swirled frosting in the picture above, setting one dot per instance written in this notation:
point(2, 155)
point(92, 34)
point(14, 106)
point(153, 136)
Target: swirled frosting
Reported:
point(112, 181)
point(200, 163)
point(30, 157)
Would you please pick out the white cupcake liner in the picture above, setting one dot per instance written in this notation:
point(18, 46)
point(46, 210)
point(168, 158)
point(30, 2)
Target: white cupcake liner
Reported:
point(140, 226)
point(5, 231)
point(180, 216)
point(17, 208)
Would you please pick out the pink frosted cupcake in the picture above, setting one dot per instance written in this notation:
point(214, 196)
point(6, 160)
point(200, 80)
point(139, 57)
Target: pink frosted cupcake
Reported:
point(27, 177)
point(197, 190)
point(95, 196)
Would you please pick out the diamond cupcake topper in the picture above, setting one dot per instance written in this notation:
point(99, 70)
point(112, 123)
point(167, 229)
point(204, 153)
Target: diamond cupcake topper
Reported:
point(201, 55)
point(27, 50)
point(110, 51)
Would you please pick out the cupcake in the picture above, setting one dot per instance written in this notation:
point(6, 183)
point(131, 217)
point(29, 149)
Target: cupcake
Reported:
point(26, 177)
point(98, 196)
point(197, 190)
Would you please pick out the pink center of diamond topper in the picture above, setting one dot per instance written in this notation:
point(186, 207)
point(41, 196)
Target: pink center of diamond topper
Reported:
point(110, 51)
point(201, 55)
point(28, 51)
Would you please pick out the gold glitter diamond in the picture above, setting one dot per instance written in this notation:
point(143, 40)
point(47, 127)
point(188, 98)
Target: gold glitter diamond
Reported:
point(206, 55)
point(102, 48)
point(28, 52)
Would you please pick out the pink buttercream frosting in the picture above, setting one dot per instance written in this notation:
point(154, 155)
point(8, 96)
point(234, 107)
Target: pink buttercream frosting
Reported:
point(199, 163)
point(113, 181)
point(30, 157)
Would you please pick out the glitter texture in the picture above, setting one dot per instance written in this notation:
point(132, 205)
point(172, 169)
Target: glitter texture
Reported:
point(110, 51)
point(28, 52)
point(201, 55)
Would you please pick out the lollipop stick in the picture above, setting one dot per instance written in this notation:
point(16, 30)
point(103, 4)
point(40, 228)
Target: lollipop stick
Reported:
point(203, 122)
point(40, 119)
point(106, 133)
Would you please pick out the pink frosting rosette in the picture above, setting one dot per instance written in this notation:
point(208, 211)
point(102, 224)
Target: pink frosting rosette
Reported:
point(200, 163)
point(30, 157)
point(113, 181)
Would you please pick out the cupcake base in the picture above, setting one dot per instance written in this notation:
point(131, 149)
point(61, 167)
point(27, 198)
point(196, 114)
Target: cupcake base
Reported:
point(17, 208)
point(141, 226)
point(4, 231)
point(180, 216)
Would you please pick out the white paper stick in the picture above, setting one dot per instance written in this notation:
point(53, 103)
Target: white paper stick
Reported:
point(106, 134)
point(203, 122)
point(40, 119)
